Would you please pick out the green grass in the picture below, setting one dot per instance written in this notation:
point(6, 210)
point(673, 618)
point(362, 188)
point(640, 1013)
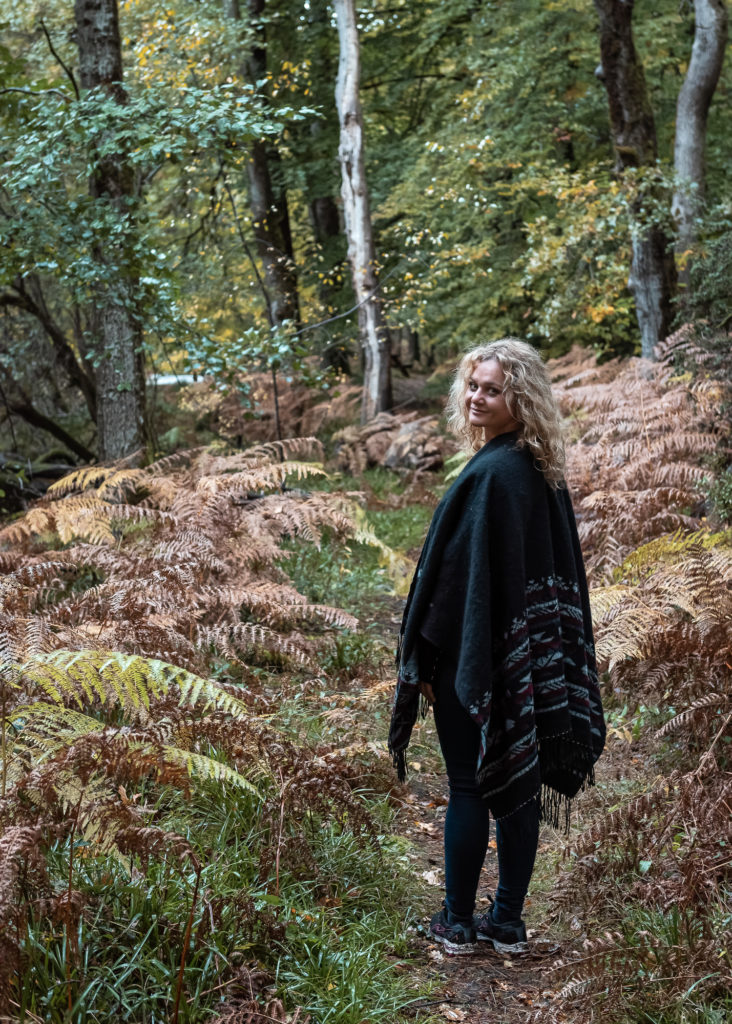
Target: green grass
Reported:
point(330, 941)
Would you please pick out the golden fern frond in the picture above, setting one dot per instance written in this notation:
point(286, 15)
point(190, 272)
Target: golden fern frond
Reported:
point(272, 451)
point(606, 599)
point(114, 477)
point(333, 616)
point(35, 521)
point(259, 478)
point(302, 447)
point(167, 463)
point(627, 635)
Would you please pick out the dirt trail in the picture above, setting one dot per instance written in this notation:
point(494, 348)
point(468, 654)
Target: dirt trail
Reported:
point(486, 987)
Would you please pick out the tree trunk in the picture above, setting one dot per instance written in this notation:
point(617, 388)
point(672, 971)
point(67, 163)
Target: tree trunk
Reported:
point(652, 277)
point(695, 97)
point(374, 335)
point(120, 376)
point(267, 194)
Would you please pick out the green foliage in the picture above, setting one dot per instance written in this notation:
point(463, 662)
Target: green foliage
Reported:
point(720, 496)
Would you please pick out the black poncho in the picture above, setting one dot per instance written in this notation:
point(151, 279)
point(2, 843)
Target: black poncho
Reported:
point(501, 580)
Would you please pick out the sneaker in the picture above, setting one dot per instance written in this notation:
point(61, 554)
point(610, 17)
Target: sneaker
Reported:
point(506, 938)
point(458, 939)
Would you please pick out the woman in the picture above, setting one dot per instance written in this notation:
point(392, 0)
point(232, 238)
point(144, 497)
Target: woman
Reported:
point(497, 637)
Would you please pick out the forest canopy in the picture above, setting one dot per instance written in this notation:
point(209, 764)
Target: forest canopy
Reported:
point(199, 194)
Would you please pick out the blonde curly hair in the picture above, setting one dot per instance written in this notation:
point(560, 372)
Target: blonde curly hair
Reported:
point(529, 398)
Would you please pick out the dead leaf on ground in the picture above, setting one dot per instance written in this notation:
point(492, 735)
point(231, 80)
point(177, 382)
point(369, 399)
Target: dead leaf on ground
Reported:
point(432, 877)
point(426, 826)
point(451, 1012)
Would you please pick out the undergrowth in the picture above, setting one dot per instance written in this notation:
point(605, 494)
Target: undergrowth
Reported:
point(648, 877)
point(185, 824)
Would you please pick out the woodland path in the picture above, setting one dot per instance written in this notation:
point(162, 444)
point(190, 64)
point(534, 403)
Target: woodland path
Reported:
point(486, 987)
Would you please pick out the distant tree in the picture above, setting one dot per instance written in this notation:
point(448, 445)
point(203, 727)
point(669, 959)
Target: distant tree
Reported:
point(267, 193)
point(652, 273)
point(117, 324)
point(695, 97)
point(375, 341)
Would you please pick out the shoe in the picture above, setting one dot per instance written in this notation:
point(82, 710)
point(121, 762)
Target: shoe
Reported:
point(506, 938)
point(458, 939)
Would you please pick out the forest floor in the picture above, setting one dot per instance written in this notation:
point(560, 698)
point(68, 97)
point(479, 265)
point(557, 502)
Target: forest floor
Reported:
point(486, 986)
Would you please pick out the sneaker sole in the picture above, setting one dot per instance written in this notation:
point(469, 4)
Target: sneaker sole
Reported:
point(505, 947)
point(456, 948)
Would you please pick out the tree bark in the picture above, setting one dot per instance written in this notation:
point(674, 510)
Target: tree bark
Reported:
point(267, 195)
point(695, 97)
point(354, 190)
point(120, 376)
point(652, 277)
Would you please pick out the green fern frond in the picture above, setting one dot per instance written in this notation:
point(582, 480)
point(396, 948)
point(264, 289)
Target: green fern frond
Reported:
point(43, 729)
point(399, 568)
point(668, 547)
point(455, 465)
point(128, 680)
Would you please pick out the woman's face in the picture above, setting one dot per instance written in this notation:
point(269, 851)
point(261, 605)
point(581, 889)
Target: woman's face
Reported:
point(485, 403)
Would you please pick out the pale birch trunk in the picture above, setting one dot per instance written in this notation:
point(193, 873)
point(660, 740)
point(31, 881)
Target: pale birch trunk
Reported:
point(652, 277)
point(695, 97)
point(373, 333)
point(120, 392)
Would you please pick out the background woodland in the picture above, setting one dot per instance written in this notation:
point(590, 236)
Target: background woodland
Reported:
point(203, 545)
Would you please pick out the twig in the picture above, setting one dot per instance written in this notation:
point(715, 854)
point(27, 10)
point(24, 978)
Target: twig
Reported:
point(36, 92)
point(68, 70)
point(186, 943)
point(247, 250)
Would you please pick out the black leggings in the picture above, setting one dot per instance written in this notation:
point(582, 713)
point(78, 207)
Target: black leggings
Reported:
point(467, 822)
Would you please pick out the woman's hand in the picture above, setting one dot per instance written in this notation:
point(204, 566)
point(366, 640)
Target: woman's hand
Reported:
point(427, 692)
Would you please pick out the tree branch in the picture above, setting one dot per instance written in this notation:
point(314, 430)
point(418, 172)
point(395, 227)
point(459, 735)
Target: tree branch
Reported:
point(21, 299)
point(68, 70)
point(37, 419)
point(36, 92)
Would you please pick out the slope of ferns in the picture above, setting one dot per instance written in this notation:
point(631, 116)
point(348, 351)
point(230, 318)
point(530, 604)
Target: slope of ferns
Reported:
point(650, 880)
point(121, 590)
point(639, 435)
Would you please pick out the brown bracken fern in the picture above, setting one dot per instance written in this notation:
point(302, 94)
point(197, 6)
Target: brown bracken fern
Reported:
point(648, 877)
point(122, 588)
